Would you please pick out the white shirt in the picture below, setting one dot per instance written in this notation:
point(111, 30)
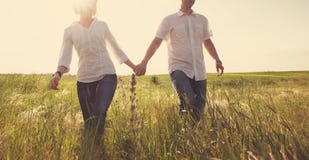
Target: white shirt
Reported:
point(90, 44)
point(185, 35)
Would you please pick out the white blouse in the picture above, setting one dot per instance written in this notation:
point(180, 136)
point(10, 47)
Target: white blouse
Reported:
point(90, 44)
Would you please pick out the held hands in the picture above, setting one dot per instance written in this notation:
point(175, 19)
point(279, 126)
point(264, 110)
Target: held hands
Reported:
point(140, 69)
point(219, 67)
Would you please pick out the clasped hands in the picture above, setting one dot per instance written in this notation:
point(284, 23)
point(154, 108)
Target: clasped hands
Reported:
point(140, 69)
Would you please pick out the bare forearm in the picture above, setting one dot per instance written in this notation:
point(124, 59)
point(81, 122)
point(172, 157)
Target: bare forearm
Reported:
point(155, 44)
point(210, 47)
point(130, 64)
point(213, 53)
point(141, 68)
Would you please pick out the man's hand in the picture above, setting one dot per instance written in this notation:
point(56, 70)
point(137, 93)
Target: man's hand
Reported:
point(54, 82)
point(140, 69)
point(219, 67)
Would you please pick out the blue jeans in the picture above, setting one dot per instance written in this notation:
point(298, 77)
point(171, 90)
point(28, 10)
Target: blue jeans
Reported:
point(95, 99)
point(191, 93)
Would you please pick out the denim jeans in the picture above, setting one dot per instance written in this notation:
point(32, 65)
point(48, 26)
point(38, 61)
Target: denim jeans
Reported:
point(191, 93)
point(95, 99)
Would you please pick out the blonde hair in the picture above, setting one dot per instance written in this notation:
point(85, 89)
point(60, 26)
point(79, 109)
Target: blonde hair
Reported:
point(85, 5)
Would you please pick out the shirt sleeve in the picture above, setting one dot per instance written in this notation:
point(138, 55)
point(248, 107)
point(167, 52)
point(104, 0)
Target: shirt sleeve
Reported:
point(65, 57)
point(163, 29)
point(120, 55)
point(207, 32)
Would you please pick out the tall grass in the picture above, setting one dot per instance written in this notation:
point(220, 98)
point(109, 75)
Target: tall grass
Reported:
point(248, 116)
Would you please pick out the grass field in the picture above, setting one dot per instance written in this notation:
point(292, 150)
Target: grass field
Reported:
point(248, 116)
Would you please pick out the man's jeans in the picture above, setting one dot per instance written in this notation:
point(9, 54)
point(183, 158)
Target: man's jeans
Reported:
point(191, 93)
point(95, 99)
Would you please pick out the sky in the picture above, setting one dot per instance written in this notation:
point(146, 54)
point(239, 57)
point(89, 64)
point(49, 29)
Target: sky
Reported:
point(250, 35)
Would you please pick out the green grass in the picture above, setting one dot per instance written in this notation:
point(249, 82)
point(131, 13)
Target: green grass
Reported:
point(248, 116)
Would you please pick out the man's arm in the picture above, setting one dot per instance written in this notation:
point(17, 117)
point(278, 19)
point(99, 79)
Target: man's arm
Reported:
point(210, 47)
point(140, 69)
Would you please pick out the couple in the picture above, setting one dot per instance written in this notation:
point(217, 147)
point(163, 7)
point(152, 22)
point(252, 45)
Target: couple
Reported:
point(185, 33)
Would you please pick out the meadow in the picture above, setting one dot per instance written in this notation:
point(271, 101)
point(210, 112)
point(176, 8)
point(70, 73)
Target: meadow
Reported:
point(256, 116)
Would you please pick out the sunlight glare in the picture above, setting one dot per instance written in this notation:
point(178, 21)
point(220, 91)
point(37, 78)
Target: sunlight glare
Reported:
point(79, 5)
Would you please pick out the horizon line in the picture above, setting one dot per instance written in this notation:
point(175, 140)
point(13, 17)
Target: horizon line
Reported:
point(238, 72)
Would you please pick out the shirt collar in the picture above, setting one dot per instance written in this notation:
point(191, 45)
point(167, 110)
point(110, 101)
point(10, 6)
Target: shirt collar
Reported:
point(180, 13)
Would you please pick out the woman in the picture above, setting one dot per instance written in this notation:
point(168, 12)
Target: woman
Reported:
point(96, 78)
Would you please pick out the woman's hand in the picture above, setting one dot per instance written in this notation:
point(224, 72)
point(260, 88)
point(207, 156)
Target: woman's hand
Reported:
point(55, 81)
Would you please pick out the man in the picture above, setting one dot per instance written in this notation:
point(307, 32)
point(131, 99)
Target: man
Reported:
point(185, 33)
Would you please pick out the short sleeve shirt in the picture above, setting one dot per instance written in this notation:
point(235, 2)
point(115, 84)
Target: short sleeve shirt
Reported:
point(184, 35)
point(91, 46)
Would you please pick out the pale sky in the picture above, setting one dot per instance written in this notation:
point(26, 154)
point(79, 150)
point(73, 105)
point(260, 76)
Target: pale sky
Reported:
point(250, 35)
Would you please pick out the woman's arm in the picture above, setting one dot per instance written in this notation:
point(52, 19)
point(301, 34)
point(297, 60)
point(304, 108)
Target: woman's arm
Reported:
point(130, 64)
point(64, 60)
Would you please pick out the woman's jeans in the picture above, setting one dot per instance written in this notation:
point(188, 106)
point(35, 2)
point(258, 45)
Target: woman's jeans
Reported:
point(191, 93)
point(95, 99)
